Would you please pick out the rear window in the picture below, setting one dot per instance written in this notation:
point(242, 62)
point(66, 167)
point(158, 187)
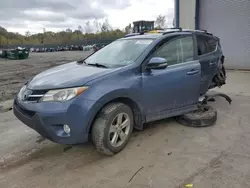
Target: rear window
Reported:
point(206, 44)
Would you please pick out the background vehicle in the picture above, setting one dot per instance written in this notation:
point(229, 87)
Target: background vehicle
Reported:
point(134, 80)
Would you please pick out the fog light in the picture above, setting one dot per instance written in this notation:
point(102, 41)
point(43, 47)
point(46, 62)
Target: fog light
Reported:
point(66, 129)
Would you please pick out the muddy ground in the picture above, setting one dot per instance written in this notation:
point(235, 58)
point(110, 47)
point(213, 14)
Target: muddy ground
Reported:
point(165, 154)
point(13, 73)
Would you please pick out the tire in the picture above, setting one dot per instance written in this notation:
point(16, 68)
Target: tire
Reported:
point(104, 124)
point(204, 117)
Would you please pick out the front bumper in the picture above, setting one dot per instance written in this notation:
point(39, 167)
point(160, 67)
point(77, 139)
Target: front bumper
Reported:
point(48, 118)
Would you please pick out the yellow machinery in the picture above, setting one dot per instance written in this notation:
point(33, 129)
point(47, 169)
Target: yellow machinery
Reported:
point(155, 31)
point(142, 25)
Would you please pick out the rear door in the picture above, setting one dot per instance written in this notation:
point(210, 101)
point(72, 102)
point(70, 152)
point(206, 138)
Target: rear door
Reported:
point(173, 90)
point(206, 50)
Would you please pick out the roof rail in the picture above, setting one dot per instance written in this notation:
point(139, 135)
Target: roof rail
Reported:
point(196, 30)
point(179, 29)
point(207, 32)
point(204, 30)
point(132, 34)
point(164, 31)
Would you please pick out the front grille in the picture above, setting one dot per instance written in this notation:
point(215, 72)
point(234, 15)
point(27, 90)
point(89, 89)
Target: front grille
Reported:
point(36, 95)
point(33, 99)
point(27, 113)
point(39, 92)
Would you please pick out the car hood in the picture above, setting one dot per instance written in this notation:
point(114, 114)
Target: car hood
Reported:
point(67, 75)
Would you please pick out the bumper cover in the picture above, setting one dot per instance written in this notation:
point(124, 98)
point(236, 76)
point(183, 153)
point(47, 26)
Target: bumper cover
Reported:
point(48, 119)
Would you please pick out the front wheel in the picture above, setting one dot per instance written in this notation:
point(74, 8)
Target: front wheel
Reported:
point(112, 128)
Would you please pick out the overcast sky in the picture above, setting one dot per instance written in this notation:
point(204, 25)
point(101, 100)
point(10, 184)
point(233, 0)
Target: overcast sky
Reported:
point(56, 15)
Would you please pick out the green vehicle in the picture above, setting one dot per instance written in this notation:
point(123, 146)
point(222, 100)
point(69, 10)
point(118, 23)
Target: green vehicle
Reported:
point(12, 54)
point(23, 53)
point(18, 53)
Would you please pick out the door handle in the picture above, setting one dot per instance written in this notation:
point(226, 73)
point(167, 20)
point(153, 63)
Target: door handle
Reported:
point(212, 63)
point(192, 72)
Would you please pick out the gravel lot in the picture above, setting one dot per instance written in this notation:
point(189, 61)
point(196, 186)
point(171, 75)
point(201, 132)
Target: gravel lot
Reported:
point(165, 154)
point(14, 73)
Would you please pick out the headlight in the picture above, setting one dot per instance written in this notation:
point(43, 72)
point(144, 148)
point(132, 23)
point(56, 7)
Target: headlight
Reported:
point(19, 95)
point(63, 94)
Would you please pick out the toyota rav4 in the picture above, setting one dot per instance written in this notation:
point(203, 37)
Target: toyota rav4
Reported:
point(137, 79)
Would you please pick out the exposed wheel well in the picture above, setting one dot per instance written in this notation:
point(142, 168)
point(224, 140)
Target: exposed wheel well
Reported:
point(133, 105)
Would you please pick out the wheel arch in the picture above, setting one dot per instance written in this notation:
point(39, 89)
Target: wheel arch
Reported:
point(139, 117)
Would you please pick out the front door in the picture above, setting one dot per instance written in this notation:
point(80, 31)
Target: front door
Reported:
point(169, 91)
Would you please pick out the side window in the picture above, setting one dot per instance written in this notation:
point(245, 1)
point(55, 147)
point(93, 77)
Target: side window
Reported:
point(177, 51)
point(212, 44)
point(187, 45)
point(206, 44)
point(201, 43)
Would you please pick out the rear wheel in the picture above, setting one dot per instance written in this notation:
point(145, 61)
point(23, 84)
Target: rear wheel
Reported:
point(112, 128)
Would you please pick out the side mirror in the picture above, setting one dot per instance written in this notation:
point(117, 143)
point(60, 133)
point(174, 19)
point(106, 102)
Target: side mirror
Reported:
point(157, 63)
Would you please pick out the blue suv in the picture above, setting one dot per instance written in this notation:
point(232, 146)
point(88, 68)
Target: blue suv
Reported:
point(134, 80)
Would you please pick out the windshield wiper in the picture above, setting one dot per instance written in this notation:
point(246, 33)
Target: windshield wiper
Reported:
point(81, 61)
point(97, 65)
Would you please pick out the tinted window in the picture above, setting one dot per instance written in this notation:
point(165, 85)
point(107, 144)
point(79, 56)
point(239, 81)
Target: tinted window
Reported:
point(212, 44)
point(206, 44)
point(177, 51)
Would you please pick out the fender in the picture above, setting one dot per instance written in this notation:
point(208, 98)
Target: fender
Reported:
point(130, 94)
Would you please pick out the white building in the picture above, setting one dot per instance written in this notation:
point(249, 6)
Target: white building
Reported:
point(227, 19)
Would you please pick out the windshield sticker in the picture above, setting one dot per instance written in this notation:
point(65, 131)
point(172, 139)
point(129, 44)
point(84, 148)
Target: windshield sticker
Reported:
point(126, 62)
point(143, 42)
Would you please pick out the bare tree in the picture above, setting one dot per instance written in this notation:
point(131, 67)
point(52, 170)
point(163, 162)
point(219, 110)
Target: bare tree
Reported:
point(160, 21)
point(80, 29)
point(106, 26)
point(88, 27)
point(27, 34)
point(68, 30)
point(97, 26)
point(42, 36)
point(128, 28)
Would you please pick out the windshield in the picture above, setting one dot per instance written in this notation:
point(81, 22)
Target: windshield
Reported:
point(119, 53)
